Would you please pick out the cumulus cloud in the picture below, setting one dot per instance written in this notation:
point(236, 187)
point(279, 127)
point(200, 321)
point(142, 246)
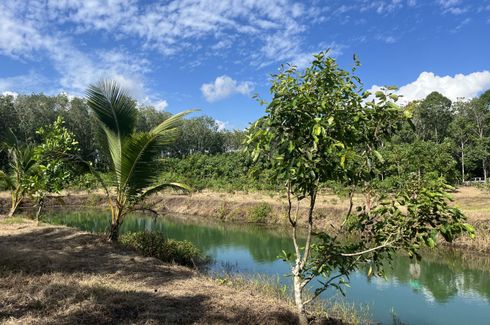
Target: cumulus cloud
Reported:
point(453, 87)
point(25, 34)
point(224, 86)
point(160, 105)
point(221, 125)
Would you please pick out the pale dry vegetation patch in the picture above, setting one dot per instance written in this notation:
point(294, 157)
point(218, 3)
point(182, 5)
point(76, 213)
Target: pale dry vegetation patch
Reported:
point(57, 275)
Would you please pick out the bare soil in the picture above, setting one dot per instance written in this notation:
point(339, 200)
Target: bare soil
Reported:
point(58, 275)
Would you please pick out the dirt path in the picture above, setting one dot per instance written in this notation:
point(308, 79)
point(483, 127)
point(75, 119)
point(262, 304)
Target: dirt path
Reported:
point(57, 275)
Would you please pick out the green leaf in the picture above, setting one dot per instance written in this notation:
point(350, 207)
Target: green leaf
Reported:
point(317, 130)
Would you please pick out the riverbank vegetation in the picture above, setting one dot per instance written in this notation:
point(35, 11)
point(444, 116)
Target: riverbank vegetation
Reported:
point(387, 169)
point(57, 275)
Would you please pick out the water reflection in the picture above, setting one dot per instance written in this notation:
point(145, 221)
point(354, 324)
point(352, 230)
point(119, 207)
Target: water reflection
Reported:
point(445, 287)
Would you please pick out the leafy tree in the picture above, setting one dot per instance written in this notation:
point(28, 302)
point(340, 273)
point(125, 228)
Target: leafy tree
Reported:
point(432, 117)
point(149, 117)
point(8, 124)
point(480, 117)
point(319, 127)
point(461, 129)
point(53, 169)
point(21, 164)
point(198, 135)
point(404, 161)
point(133, 155)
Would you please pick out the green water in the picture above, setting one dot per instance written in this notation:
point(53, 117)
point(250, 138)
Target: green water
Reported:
point(444, 288)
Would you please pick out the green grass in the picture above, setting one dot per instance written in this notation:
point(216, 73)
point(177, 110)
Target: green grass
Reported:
point(153, 244)
point(334, 308)
point(13, 220)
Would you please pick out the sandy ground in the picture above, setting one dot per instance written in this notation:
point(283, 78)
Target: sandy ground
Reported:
point(57, 275)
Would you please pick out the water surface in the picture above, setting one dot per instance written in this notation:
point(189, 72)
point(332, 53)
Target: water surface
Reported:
point(446, 287)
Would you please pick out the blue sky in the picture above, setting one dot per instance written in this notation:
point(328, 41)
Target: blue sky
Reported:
point(216, 54)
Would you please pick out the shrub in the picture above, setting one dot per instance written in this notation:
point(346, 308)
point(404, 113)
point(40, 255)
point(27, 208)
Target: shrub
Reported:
point(260, 213)
point(154, 244)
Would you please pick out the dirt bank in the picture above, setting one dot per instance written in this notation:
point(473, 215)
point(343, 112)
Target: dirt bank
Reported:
point(271, 208)
point(57, 275)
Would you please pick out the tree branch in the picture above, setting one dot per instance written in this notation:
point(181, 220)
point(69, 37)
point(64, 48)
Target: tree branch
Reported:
point(310, 230)
point(385, 244)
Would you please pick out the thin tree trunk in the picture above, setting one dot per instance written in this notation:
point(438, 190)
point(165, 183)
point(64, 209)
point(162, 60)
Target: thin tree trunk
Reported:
point(484, 165)
point(301, 259)
point(39, 208)
point(15, 204)
point(462, 161)
point(116, 216)
point(298, 299)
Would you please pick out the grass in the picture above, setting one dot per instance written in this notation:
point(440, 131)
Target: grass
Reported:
point(13, 220)
point(260, 213)
point(58, 275)
point(153, 244)
point(332, 311)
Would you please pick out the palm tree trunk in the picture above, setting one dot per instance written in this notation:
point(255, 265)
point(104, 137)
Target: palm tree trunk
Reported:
point(16, 199)
point(116, 216)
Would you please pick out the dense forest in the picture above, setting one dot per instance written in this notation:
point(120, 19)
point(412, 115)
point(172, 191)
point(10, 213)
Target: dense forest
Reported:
point(444, 138)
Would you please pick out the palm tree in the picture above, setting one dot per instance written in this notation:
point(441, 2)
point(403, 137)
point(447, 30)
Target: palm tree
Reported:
point(21, 163)
point(133, 155)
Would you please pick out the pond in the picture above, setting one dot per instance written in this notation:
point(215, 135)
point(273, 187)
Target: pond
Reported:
point(446, 287)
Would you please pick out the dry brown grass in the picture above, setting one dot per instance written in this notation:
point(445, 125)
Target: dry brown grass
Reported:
point(236, 207)
point(57, 275)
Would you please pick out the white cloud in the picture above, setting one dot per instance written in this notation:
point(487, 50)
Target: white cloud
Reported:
point(453, 87)
point(160, 104)
point(224, 86)
point(10, 93)
point(22, 83)
point(221, 125)
point(24, 34)
point(452, 6)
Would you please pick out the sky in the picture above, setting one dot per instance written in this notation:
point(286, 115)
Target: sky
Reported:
point(215, 55)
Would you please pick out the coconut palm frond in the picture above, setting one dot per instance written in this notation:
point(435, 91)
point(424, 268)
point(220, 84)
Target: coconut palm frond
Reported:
point(139, 164)
point(157, 188)
point(114, 109)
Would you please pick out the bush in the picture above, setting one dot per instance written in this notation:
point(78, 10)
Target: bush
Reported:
point(260, 213)
point(154, 244)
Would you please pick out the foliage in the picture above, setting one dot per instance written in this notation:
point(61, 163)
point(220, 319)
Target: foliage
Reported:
point(154, 244)
point(321, 127)
point(133, 155)
point(53, 169)
point(20, 169)
point(408, 221)
point(260, 213)
point(432, 117)
point(222, 172)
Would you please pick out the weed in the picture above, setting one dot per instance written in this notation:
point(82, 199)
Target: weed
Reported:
point(154, 244)
point(260, 213)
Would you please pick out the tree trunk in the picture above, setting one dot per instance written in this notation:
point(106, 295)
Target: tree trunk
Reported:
point(462, 161)
point(484, 165)
point(114, 232)
point(298, 298)
point(116, 216)
point(39, 208)
point(15, 203)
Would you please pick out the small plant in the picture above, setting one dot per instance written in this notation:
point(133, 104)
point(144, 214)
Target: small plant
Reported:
point(260, 213)
point(153, 244)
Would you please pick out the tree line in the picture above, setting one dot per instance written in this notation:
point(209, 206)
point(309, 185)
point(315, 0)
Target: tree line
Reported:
point(24, 115)
point(320, 127)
